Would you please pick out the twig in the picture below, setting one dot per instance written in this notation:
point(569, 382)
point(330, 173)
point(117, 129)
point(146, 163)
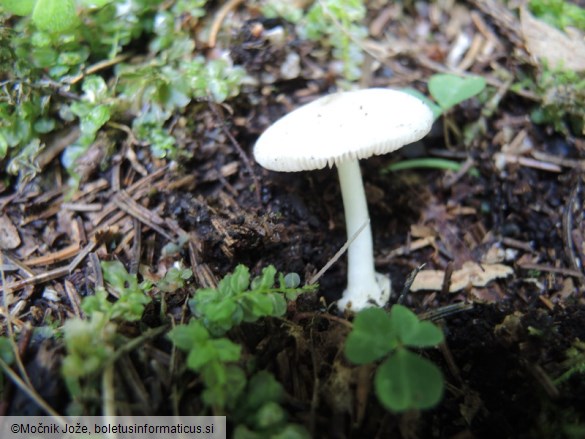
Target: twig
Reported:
point(141, 213)
point(337, 255)
point(219, 19)
point(30, 391)
point(99, 66)
point(549, 269)
point(408, 284)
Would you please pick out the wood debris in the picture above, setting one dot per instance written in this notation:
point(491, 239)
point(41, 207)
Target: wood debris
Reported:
point(470, 274)
point(9, 237)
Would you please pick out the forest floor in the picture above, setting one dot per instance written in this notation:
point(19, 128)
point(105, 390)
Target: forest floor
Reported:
point(514, 354)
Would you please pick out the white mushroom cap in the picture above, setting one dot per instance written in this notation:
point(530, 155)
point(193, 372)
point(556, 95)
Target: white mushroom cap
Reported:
point(346, 125)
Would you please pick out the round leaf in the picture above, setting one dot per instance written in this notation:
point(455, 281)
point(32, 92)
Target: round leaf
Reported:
point(449, 90)
point(292, 280)
point(240, 279)
point(407, 381)
point(425, 335)
point(371, 338)
point(411, 331)
point(55, 15)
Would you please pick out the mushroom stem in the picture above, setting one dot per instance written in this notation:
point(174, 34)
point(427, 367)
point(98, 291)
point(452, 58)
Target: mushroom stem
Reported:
point(364, 285)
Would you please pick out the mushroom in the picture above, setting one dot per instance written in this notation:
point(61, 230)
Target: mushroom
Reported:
point(339, 129)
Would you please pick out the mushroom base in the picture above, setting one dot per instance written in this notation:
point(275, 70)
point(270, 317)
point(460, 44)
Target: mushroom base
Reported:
point(366, 296)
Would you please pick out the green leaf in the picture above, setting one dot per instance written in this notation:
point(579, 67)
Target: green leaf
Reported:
point(269, 415)
point(116, 274)
point(227, 351)
point(18, 7)
point(201, 355)
point(449, 90)
point(407, 381)
point(291, 280)
point(240, 279)
point(371, 338)
point(186, 337)
point(225, 384)
point(262, 388)
point(56, 16)
point(278, 304)
point(220, 311)
point(425, 335)
point(266, 280)
point(95, 119)
point(257, 305)
point(95, 88)
point(411, 331)
point(203, 297)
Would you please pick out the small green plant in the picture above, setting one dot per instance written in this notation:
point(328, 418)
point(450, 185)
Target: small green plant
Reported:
point(47, 15)
point(563, 99)
point(48, 50)
point(132, 295)
point(91, 343)
point(449, 90)
point(259, 413)
point(175, 278)
point(337, 24)
point(214, 359)
point(237, 299)
point(575, 362)
point(404, 380)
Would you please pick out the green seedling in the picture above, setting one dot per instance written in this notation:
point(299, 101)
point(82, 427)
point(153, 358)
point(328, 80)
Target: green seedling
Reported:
point(213, 358)
point(562, 94)
point(404, 380)
point(238, 298)
point(259, 413)
point(338, 25)
point(92, 342)
point(174, 278)
point(575, 362)
point(449, 90)
point(48, 51)
point(132, 295)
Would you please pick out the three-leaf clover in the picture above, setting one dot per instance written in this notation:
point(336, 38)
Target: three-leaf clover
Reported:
point(404, 380)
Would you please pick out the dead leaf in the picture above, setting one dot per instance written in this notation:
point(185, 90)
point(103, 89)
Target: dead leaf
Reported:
point(471, 274)
point(545, 42)
point(9, 237)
